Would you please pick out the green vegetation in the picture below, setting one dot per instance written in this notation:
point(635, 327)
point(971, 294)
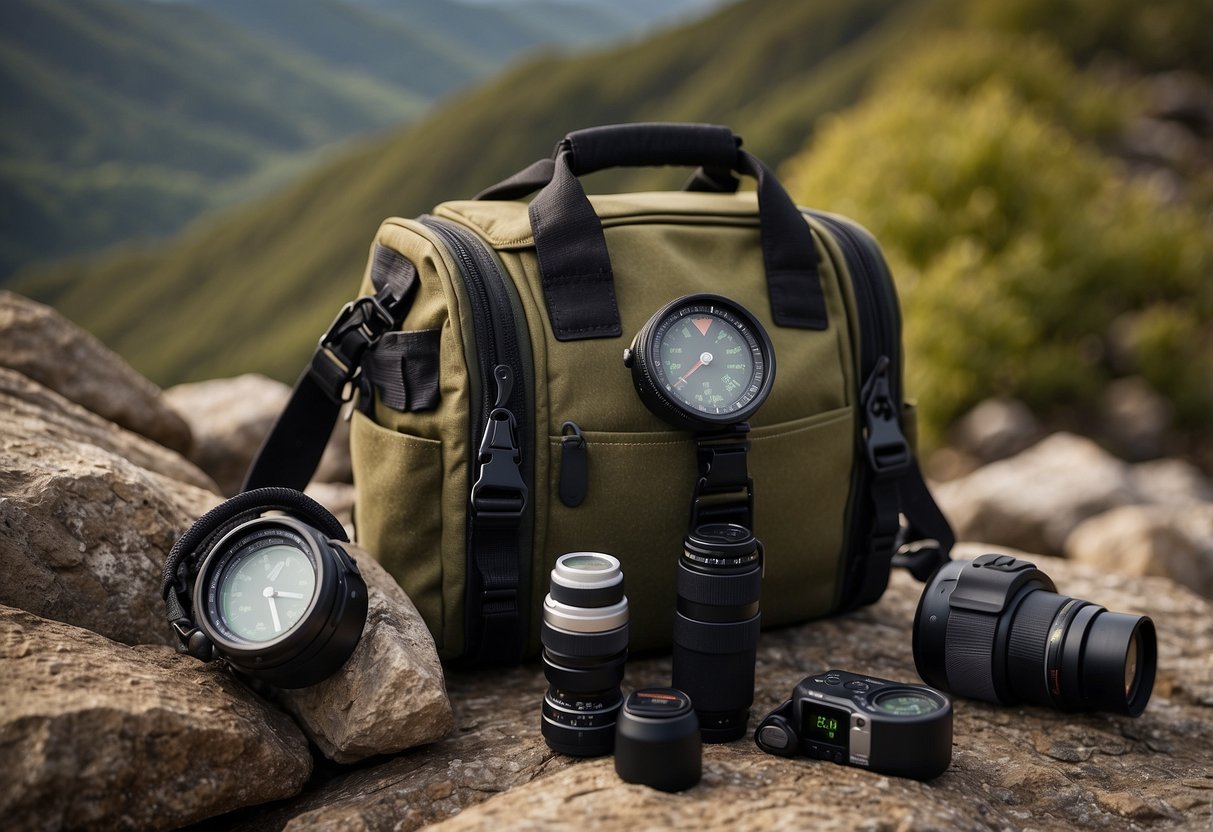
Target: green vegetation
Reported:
point(1028, 263)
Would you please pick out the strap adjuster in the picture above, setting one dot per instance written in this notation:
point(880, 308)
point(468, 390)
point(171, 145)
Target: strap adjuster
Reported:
point(338, 357)
point(888, 450)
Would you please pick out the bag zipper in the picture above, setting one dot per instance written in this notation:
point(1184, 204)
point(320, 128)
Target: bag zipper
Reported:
point(880, 385)
point(498, 428)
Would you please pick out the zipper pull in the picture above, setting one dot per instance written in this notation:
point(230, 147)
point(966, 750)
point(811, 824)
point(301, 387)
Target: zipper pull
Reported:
point(574, 465)
point(499, 495)
point(888, 450)
point(504, 377)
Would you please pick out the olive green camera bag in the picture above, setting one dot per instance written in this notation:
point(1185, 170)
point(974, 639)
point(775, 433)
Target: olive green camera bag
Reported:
point(495, 426)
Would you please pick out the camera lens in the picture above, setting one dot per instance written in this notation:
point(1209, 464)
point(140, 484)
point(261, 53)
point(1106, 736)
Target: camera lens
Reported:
point(995, 628)
point(716, 626)
point(585, 646)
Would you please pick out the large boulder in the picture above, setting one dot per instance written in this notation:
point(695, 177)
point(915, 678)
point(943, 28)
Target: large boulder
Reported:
point(995, 429)
point(28, 409)
point(38, 342)
point(1172, 541)
point(83, 531)
point(98, 735)
point(230, 418)
point(390, 694)
point(1012, 767)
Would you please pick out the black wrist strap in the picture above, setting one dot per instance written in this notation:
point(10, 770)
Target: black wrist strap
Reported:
point(724, 492)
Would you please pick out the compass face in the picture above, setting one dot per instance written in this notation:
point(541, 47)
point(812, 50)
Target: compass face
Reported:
point(264, 593)
point(709, 360)
point(262, 586)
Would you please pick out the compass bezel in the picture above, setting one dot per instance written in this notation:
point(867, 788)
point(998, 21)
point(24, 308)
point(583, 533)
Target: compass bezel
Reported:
point(654, 385)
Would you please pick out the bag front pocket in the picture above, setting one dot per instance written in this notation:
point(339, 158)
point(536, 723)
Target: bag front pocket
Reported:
point(401, 528)
point(637, 500)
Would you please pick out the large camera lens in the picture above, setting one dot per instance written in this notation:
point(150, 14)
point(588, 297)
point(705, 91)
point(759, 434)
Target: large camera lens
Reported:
point(995, 628)
point(585, 646)
point(716, 626)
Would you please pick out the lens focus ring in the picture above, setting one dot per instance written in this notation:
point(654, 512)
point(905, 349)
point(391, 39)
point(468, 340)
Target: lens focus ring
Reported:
point(970, 653)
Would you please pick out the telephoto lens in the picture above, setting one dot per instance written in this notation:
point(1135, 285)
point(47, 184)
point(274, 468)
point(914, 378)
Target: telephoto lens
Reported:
point(585, 646)
point(995, 628)
point(716, 626)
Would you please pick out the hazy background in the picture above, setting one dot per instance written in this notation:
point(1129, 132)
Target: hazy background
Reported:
point(1039, 171)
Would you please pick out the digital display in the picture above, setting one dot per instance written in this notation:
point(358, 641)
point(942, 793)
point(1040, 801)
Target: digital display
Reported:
point(822, 723)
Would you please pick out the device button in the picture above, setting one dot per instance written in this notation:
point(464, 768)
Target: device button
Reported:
point(833, 679)
point(857, 686)
point(774, 737)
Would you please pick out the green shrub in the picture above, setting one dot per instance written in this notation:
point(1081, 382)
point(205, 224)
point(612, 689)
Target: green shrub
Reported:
point(1028, 264)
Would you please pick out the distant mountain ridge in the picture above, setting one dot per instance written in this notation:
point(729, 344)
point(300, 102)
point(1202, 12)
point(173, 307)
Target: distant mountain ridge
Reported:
point(128, 118)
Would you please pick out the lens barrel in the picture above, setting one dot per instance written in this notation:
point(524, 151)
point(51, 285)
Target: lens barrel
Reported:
point(995, 628)
point(585, 646)
point(716, 626)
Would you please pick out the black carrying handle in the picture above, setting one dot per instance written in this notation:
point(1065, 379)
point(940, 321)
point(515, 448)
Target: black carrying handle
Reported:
point(578, 284)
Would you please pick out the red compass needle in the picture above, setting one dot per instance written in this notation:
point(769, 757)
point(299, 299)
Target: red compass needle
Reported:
point(704, 360)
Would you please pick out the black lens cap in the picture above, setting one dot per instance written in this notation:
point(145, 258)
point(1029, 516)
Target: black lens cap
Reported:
point(657, 740)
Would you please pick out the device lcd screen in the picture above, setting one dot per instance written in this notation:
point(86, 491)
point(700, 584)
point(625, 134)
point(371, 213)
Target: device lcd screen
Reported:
point(824, 724)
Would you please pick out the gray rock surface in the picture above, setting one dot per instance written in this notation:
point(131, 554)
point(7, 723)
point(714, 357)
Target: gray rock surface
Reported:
point(98, 735)
point(84, 532)
point(1013, 767)
point(1033, 500)
point(1136, 420)
point(1171, 482)
point(338, 498)
point(996, 429)
point(29, 409)
point(1172, 541)
point(39, 343)
point(230, 417)
point(390, 695)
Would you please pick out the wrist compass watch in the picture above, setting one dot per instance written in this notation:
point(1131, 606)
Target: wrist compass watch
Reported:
point(704, 363)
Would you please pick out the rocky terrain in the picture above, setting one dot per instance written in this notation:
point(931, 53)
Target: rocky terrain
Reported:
point(104, 726)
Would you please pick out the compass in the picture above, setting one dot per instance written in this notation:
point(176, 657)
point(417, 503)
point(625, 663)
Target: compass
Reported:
point(702, 362)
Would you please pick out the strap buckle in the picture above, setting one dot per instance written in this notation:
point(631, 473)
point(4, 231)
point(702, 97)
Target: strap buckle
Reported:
point(338, 357)
point(724, 491)
point(499, 495)
point(888, 450)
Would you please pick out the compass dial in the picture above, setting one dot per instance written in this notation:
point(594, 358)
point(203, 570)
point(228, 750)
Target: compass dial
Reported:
point(704, 358)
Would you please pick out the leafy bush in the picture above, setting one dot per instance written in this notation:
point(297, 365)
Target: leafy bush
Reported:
point(1028, 264)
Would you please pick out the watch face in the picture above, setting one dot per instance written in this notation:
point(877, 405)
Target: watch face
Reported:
point(709, 360)
point(263, 592)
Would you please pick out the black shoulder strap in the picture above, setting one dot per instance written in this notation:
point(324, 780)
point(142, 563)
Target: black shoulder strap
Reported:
point(925, 542)
point(907, 527)
point(291, 451)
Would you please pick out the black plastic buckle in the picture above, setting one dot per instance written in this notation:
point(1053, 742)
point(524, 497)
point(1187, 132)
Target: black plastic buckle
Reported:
point(499, 495)
point(888, 450)
point(724, 491)
point(337, 360)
